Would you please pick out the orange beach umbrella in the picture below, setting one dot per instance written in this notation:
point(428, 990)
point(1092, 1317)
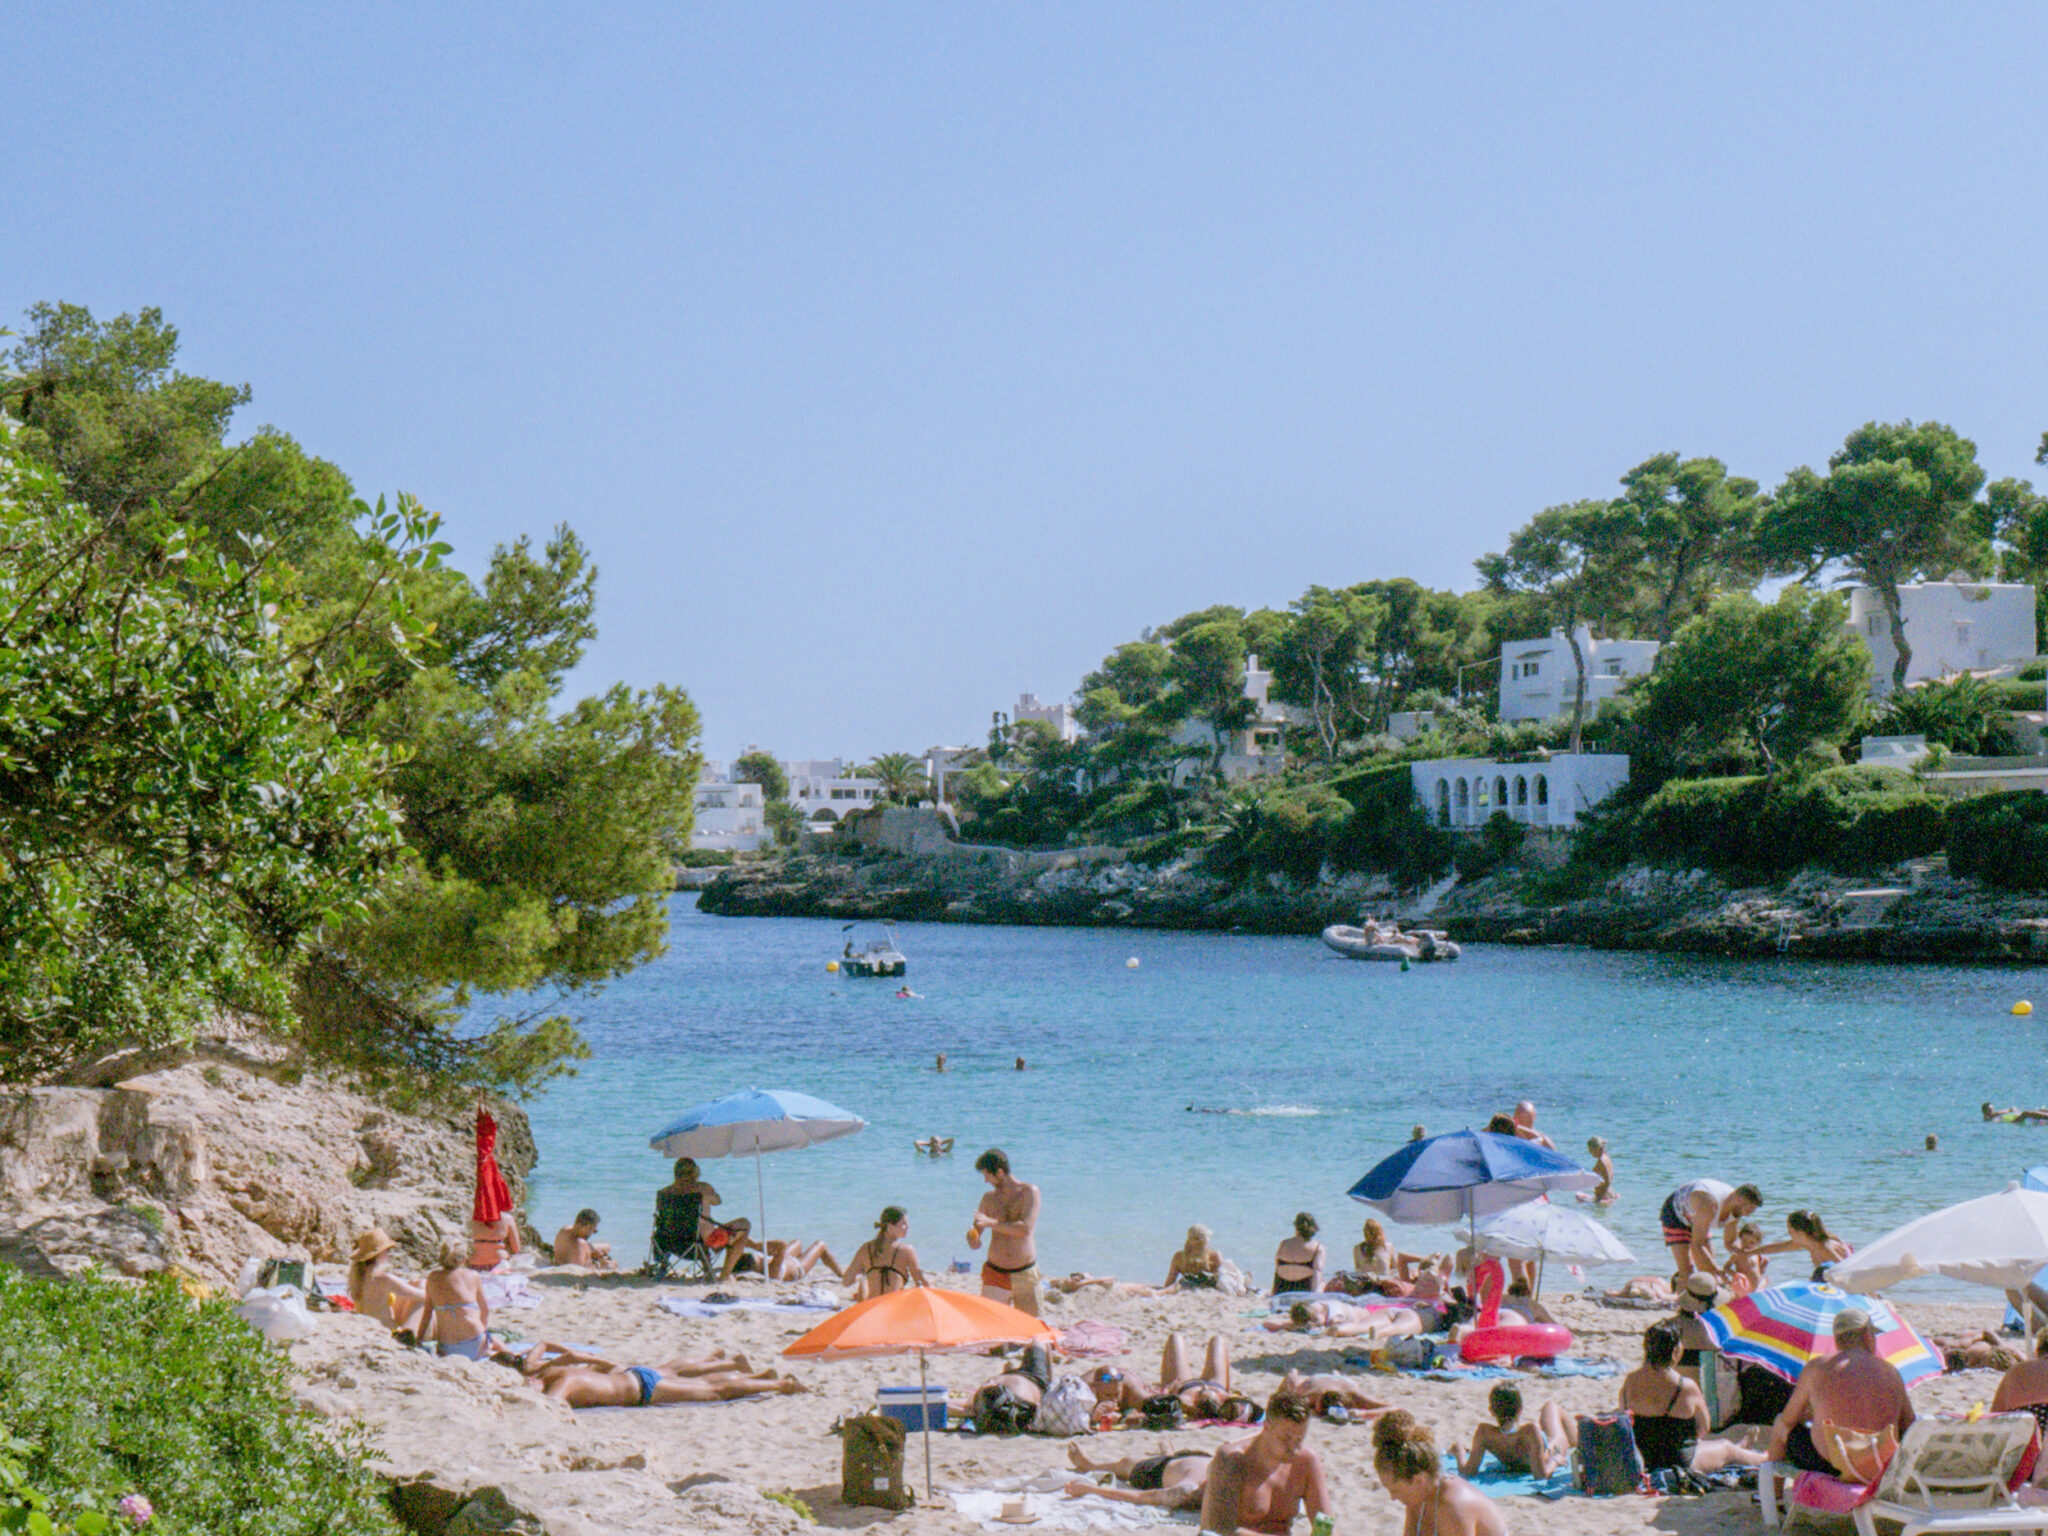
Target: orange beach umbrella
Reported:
point(925, 1320)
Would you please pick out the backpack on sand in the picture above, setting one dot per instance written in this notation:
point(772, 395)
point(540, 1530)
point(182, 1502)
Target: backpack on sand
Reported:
point(1609, 1462)
point(871, 1463)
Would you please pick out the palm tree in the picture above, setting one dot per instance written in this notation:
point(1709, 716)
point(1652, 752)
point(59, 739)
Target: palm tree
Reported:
point(901, 776)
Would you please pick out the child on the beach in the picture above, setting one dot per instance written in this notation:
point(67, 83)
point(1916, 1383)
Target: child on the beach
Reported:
point(1538, 1448)
point(1746, 1261)
point(1603, 1165)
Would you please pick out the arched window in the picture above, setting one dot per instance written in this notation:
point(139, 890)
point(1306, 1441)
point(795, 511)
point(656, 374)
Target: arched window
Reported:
point(1542, 790)
point(1464, 793)
point(1443, 802)
point(1521, 789)
point(1500, 793)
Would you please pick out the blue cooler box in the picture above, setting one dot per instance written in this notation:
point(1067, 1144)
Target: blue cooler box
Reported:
point(902, 1405)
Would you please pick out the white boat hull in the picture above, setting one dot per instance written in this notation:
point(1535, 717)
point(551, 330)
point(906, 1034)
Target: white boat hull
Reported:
point(1417, 948)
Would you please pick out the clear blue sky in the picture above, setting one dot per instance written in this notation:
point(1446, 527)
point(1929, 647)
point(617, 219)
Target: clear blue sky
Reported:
point(894, 359)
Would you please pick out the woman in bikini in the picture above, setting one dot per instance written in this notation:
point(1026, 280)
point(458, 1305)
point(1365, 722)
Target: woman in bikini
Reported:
point(1207, 1396)
point(491, 1243)
point(1538, 1447)
point(885, 1262)
point(457, 1313)
point(1343, 1320)
point(1670, 1413)
point(1298, 1261)
point(1196, 1266)
point(1411, 1470)
point(2024, 1389)
point(1806, 1232)
point(375, 1290)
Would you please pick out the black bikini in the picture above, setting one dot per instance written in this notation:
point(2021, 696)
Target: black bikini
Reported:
point(1666, 1440)
point(1149, 1475)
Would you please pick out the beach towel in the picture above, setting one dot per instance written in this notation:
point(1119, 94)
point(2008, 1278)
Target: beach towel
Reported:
point(684, 1306)
point(1044, 1499)
point(1434, 1373)
point(510, 1293)
point(1090, 1340)
point(1498, 1482)
point(1586, 1365)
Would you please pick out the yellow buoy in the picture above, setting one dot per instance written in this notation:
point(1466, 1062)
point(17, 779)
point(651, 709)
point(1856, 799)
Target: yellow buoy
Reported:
point(2023, 1007)
point(832, 966)
point(1131, 964)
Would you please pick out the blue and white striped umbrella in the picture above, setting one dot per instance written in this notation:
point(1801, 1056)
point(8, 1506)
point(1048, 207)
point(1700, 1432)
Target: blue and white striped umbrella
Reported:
point(756, 1121)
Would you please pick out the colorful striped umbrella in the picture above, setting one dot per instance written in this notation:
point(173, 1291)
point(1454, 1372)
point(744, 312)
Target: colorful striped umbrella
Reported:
point(1783, 1327)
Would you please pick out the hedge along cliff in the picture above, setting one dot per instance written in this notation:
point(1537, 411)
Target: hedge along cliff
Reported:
point(203, 1157)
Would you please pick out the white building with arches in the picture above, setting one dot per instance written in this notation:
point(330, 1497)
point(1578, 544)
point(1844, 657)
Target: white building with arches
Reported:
point(1552, 792)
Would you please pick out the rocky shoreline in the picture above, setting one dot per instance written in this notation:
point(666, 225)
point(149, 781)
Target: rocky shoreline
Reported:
point(1908, 914)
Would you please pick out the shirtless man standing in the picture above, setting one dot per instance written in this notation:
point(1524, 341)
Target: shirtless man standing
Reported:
point(1849, 1409)
point(1689, 1214)
point(1008, 1213)
point(1260, 1484)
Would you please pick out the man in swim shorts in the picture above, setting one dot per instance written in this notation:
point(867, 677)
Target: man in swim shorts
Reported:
point(1688, 1218)
point(1008, 1215)
point(1171, 1480)
point(591, 1381)
point(1849, 1410)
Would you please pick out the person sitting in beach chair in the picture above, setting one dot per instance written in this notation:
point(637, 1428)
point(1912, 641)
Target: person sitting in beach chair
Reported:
point(683, 1233)
point(1170, 1480)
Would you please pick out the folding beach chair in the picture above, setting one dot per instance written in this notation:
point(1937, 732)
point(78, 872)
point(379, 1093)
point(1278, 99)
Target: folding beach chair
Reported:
point(676, 1242)
point(1958, 1477)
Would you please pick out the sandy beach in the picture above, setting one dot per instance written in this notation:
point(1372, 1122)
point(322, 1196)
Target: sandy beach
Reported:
point(464, 1427)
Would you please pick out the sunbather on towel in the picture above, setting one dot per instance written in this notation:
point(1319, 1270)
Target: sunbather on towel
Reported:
point(1341, 1320)
point(1170, 1480)
point(590, 1381)
point(1335, 1397)
point(1205, 1396)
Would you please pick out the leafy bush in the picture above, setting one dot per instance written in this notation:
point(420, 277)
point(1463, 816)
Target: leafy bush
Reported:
point(114, 1389)
point(1964, 714)
point(1851, 818)
point(2019, 693)
point(1387, 831)
point(1499, 840)
point(2001, 839)
point(705, 858)
point(2033, 672)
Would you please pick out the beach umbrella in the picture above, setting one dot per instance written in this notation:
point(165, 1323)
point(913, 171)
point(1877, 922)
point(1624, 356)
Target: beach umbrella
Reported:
point(1997, 1240)
point(756, 1121)
point(924, 1320)
point(1784, 1327)
point(493, 1198)
point(1541, 1231)
point(1463, 1175)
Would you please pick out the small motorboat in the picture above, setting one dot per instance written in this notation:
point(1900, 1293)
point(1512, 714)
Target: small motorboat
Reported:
point(877, 957)
point(1383, 941)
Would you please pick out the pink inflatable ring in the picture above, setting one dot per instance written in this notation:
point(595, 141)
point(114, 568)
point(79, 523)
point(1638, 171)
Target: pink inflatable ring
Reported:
point(1531, 1341)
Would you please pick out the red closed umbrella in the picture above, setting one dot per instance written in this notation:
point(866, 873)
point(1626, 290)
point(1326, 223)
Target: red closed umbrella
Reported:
point(493, 1199)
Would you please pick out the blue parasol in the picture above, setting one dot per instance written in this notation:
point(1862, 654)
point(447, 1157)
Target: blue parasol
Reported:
point(1463, 1175)
point(755, 1121)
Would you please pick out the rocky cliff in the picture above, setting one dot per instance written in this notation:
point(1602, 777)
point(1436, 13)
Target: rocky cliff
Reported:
point(1918, 913)
point(209, 1155)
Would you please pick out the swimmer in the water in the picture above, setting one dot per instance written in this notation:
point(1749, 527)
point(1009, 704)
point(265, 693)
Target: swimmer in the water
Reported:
point(904, 991)
point(2015, 1116)
point(937, 1146)
point(940, 1064)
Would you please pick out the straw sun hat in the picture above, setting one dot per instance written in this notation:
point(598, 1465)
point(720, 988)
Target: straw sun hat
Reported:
point(371, 1244)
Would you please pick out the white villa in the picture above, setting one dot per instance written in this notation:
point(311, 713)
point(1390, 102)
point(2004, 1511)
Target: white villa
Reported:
point(1066, 726)
point(826, 788)
point(1465, 791)
point(1254, 752)
point(729, 816)
point(1952, 626)
point(1539, 680)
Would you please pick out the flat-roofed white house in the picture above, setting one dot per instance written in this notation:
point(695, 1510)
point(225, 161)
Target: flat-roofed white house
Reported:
point(729, 816)
point(1253, 751)
point(1951, 626)
point(826, 788)
point(1555, 792)
point(1539, 679)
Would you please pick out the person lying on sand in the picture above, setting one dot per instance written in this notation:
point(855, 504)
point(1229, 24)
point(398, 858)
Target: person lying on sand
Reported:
point(1170, 1480)
point(1643, 1288)
point(573, 1243)
point(1335, 1397)
point(590, 1381)
point(1981, 1350)
point(1207, 1396)
point(786, 1260)
point(1008, 1401)
point(1342, 1320)
point(1078, 1281)
point(1538, 1446)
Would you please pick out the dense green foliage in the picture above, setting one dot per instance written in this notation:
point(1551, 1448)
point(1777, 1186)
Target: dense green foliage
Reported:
point(1848, 818)
point(1964, 714)
point(114, 1389)
point(269, 752)
point(1750, 685)
point(2001, 840)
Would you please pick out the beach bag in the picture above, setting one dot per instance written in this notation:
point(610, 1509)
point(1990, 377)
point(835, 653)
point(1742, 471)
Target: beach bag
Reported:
point(871, 1463)
point(1166, 1411)
point(1068, 1409)
point(1609, 1462)
point(1412, 1353)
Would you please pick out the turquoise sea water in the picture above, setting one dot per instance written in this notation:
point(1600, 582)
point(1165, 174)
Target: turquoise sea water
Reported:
point(1812, 1080)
